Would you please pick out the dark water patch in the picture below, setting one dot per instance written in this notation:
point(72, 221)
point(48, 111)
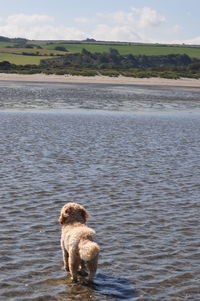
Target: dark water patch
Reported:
point(115, 288)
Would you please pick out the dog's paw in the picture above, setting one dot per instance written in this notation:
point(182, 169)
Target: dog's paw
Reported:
point(83, 273)
point(74, 279)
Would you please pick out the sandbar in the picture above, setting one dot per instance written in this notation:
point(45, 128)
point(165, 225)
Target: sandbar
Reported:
point(120, 80)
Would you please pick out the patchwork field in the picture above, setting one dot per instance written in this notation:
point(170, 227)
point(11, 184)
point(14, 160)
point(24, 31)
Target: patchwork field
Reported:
point(19, 59)
point(31, 52)
point(146, 49)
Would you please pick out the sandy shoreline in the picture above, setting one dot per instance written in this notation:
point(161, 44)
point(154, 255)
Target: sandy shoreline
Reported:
point(183, 82)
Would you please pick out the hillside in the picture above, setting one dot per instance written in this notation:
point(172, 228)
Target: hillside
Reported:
point(91, 57)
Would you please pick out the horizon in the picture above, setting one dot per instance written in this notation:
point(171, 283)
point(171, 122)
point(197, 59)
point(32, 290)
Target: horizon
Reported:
point(88, 40)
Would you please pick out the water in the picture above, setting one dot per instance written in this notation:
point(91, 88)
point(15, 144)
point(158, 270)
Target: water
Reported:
point(134, 167)
point(63, 96)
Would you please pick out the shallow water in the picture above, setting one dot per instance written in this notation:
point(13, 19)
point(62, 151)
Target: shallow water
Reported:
point(137, 174)
point(128, 98)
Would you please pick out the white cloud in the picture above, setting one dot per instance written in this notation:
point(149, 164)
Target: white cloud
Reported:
point(147, 16)
point(193, 41)
point(128, 25)
point(140, 18)
point(133, 25)
point(115, 33)
point(49, 32)
point(46, 32)
point(22, 19)
point(38, 27)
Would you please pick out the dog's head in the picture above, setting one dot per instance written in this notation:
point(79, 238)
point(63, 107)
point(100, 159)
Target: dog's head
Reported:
point(72, 212)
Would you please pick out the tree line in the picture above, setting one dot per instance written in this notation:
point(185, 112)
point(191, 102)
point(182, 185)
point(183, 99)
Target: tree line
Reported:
point(113, 60)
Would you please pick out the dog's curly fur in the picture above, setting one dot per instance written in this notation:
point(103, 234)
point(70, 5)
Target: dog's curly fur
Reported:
point(79, 249)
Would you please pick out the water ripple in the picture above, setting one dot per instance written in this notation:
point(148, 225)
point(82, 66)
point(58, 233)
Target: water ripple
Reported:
point(137, 175)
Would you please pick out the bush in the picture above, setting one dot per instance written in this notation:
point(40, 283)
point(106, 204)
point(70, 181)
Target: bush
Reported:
point(60, 48)
point(111, 73)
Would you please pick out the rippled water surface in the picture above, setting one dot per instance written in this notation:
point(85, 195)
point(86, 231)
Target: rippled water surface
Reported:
point(138, 175)
point(29, 95)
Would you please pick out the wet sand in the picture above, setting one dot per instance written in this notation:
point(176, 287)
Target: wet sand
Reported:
point(183, 82)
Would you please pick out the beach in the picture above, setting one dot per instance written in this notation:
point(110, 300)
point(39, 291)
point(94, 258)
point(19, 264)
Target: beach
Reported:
point(121, 80)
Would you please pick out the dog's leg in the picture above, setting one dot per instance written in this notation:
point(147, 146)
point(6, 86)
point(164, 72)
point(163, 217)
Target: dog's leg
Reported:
point(74, 262)
point(82, 269)
point(65, 258)
point(92, 267)
point(82, 265)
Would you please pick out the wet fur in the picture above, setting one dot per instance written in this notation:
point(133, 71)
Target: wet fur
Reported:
point(80, 252)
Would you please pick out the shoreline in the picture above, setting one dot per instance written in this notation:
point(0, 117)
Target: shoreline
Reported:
point(98, 79)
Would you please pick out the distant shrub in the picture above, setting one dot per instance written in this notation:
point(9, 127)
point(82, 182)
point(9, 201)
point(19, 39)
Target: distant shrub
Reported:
point(59, 72)
point(60, 48)
point(111, 73)
point(170, 75)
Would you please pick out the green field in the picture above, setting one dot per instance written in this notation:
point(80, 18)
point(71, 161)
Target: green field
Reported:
point(6, 44)
point(21, 59)
point(31, 51)
point(14, 52)
point(132, 49)
point(24, 56)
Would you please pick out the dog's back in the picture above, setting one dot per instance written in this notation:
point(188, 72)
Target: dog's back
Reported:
point(80, 238)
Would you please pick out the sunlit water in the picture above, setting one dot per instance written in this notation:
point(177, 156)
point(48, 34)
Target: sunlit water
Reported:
point(134, 164)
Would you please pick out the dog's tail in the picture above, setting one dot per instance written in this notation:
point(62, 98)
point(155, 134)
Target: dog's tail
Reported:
point(88, 249)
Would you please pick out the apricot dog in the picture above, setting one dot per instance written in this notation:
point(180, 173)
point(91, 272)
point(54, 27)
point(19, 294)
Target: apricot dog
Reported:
point(80, 252)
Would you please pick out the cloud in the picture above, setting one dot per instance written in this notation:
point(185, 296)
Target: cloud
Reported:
point(22, 19)
point(116, 33)
point(193, 41)
point(133, 25)
point(147, 16)
point(38, 27)
point(140, 18)
point(49, 32)
point(128, 25)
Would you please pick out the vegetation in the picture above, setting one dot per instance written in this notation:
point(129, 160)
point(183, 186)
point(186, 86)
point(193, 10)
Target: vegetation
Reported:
point(128, 48)
point(90, 57)
point(21, 59)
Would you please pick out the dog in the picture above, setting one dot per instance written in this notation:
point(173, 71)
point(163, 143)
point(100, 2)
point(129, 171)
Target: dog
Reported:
point(79, 250)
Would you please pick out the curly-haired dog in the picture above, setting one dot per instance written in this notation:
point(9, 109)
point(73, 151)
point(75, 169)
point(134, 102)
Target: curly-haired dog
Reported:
point(79, 249)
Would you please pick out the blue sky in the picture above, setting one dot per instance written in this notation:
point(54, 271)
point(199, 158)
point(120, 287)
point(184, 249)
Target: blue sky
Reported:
point(161, 21)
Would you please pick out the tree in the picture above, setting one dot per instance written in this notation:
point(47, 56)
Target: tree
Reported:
point(113, 51)
point(60, 48)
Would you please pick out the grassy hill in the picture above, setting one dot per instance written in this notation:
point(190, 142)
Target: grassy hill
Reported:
point(143, 49)
point(22, 51)
point(92, 57)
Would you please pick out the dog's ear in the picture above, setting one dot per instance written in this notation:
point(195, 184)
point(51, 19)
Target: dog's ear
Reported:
point(84, 214)
point(61, 219)
point(63, 215)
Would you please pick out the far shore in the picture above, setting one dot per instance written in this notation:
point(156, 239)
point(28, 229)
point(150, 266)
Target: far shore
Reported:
point(121, 80)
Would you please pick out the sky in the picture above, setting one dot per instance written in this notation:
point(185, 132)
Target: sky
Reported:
point(146, 21)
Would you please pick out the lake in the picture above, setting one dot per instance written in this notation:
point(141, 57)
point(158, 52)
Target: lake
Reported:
point(130, 155)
